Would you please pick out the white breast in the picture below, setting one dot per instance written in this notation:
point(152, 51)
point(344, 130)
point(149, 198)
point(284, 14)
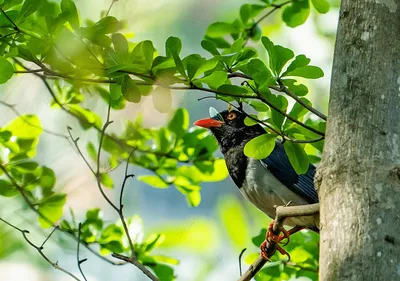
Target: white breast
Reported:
point(264, 191)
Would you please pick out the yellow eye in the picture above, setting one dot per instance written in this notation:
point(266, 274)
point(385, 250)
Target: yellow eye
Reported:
point(231, 116)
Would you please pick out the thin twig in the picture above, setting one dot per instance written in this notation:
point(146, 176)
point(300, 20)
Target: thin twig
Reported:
point(79, 261)
point(48, 237)
point(121, 206)
point(10, 20)
point(284, 89)
point(240, 260)
point(40, 249)
point(137, 264)
point(282, 212)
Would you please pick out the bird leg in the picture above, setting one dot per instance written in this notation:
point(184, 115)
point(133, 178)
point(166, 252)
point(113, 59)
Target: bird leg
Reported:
point(270, 236)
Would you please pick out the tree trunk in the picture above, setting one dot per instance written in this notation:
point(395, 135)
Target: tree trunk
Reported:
point(359, 177)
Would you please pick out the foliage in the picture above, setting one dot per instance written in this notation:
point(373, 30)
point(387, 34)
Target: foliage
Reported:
point(51, 41)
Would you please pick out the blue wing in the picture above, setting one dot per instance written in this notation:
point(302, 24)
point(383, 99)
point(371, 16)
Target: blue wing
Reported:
point(279, 165)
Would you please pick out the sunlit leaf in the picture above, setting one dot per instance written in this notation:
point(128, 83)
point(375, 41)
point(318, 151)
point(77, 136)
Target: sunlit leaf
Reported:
point(51, 208)
point(154, 181)
point(260, 147)
point(25, 127)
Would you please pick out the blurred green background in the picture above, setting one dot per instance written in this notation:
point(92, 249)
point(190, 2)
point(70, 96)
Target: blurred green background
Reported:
point(207, 239)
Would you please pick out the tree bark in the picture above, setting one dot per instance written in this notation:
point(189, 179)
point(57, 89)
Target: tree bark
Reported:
point(359, 177)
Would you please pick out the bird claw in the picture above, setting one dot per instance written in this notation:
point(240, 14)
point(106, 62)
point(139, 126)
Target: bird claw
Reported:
point(277, 238)
point(264, 254)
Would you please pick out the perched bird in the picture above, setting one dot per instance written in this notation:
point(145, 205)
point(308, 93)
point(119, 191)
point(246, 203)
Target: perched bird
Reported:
point(265, 183)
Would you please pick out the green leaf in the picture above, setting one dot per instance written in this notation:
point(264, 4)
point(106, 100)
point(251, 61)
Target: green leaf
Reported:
point(179, 64)
point(29, 7)
point(299, 61)
point(25, 127)
point(219, 29)
point(250, 122)
point(322, 6)
point(154, 181)
point(283, 55)
point(232, 89)
point(259, 105)
point(106, 180)
point(115, 91)
point(297, 157)
point(107, 25)
point(260, 147)
point(162, 99)
point(193, 198)
point(7, 189)
point(48, 178)
point(68, 7)
point(295, 87)
point(173, 45)
point(87, 118)
point(245, 13)
point(210, 47)
point(193, 63)
point(5, 136)
point(26, 166)
point(233, 218)
point(163, 272)
point(91, 151)
point(179, 122)
point(297, 13)
point(144, 53)
point(51, 208)
point(6, 70)
point(214, 80)
point(280, 102)
point(120, 43)
point(248, 11)
point(206, 66)
point(130, 90)
point(309, 71)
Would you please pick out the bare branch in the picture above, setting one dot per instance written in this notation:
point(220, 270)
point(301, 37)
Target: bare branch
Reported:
point(40, 249)
point(79, 261)
point(137, 264)
point(282, 212)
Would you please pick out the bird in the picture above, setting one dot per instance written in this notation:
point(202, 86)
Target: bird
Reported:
point(268, 182)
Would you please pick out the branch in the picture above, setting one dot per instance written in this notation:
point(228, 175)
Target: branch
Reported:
point(137, 264)
point(132, 259)
point(283, 89)
point(40, 248)
point(79, 261)
point(282, 212)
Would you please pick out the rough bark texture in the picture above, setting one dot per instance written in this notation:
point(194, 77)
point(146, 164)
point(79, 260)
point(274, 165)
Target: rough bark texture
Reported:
point(359, 177)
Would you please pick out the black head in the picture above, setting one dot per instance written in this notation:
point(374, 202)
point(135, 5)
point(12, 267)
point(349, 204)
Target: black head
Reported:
point(229, 128)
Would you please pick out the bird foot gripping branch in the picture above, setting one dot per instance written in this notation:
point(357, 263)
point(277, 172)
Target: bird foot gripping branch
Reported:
point(271, 237)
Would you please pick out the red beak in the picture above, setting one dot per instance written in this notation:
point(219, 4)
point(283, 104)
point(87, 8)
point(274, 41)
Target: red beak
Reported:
point(208, 123)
